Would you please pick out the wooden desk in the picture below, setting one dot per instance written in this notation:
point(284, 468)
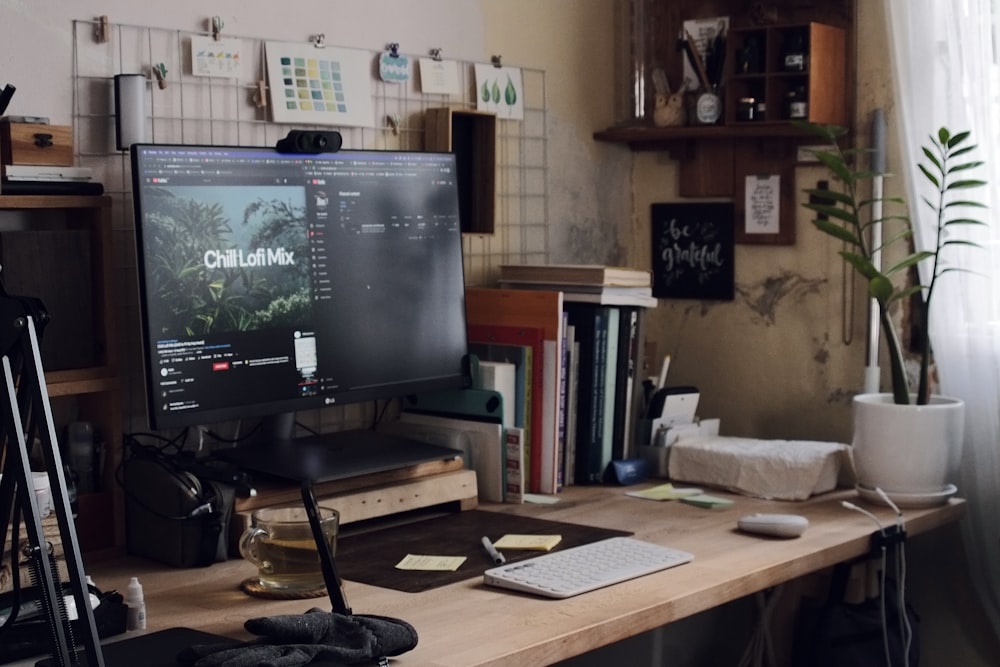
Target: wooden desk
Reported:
point(467, 624)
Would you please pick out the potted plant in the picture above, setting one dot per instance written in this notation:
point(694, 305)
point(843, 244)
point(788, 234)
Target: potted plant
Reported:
point(883, 423)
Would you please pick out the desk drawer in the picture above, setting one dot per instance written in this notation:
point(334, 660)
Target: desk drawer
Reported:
point(35, 143)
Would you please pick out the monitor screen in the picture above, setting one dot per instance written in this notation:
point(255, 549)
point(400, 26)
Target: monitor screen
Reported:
point(274, 282)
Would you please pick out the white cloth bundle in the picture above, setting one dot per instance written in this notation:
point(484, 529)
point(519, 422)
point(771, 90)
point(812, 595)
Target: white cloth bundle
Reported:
point(773, 469)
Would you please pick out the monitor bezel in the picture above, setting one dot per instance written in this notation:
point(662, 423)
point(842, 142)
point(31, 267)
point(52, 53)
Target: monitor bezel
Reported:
point(278, 410)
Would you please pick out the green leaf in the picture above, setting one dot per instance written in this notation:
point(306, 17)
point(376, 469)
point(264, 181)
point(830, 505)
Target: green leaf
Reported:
point(837, 231)
point(881, 289)
point(963, 151)
point(964, 185)
point(974, 204)
point(832, 195)
point(962, 242)
point(836, 164)
point(931, 177)
point(963, 167)
point(907, 262)
point(962, 221)
point(862, 264)
point(955, 140)
point(835, 212)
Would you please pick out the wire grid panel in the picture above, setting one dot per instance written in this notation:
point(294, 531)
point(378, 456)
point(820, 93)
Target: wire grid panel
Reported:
point(190, 109)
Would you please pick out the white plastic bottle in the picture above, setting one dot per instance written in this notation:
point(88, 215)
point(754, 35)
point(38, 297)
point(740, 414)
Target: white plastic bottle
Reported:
point(136, 606)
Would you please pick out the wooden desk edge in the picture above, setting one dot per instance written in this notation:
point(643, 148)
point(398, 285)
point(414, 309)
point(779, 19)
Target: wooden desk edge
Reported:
point(541, 632)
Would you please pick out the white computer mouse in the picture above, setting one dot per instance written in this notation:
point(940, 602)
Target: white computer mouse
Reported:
point(777, 525)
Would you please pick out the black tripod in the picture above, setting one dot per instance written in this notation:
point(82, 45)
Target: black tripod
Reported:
point(25, 414)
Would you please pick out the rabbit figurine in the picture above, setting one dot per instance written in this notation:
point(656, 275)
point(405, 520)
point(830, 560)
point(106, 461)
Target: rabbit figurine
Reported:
point(668, 108)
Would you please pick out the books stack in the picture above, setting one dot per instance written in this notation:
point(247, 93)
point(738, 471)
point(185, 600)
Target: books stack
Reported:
point(30, 179)
point(584, 283)
point(575, 334)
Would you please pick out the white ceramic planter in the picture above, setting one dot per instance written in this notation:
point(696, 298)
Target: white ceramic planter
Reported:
point(907, 450)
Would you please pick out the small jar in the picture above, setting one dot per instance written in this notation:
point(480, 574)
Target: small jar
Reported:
point(746, 109)
point(797, 104)
point(795, 58)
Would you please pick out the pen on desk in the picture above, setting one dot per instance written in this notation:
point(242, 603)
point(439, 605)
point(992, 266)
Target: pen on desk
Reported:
point(497, 557)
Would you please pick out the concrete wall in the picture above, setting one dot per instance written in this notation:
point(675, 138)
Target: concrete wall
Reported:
point(781, 360)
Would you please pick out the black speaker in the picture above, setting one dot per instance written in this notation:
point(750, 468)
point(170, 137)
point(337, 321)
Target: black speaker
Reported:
point(310, 141)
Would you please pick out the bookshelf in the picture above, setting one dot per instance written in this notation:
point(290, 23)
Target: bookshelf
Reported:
point(78, 347)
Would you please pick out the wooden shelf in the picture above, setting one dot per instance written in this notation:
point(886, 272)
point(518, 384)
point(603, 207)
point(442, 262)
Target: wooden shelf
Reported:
point(67, 241)
point(53, 201)
point(659, 138)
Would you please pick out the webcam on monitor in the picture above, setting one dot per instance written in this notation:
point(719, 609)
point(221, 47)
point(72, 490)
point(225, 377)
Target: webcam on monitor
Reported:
point(310, 141)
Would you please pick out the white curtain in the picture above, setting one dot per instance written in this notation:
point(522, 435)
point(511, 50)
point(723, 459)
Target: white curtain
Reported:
point(945, 66)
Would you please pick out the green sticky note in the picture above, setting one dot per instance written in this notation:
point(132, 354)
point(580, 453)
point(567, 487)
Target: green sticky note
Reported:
point(710, 502)
point(663, 492)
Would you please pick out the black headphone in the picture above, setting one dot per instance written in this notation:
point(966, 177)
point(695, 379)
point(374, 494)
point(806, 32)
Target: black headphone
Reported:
point(195, 500)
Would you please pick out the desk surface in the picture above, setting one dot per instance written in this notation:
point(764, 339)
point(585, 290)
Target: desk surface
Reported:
point(466, 623)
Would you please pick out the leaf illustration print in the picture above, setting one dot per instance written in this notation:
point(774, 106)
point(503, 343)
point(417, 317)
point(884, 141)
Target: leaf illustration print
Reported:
point(496, 93)
point(510, 93)
point(486, 91)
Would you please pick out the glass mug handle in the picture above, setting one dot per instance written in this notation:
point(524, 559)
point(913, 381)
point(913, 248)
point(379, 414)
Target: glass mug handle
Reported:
point(248, 544)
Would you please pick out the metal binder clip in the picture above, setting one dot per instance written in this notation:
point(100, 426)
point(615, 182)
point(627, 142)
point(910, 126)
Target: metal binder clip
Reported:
point(496, 60)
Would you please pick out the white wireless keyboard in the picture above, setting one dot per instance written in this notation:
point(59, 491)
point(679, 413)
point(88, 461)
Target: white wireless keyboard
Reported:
point(563, 574)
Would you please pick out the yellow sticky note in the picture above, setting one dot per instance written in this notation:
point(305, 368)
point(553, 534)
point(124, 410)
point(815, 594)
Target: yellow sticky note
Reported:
point(430, 563)
point(528, 542)
point(664, 492)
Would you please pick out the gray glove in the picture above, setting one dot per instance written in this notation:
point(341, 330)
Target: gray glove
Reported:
point(293, 640)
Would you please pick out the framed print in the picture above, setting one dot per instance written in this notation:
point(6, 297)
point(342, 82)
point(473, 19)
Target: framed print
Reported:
point(765, 211)
point(693, 251)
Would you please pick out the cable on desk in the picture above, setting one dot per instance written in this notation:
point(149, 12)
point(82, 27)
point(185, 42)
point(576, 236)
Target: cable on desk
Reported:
point(760, 650)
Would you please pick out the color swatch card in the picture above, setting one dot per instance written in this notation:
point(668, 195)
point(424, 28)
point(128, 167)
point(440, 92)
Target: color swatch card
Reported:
point(216, 57)
point(321, 85)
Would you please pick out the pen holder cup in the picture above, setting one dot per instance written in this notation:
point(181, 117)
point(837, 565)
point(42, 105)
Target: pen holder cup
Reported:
point(280, 543)
point(704, 106)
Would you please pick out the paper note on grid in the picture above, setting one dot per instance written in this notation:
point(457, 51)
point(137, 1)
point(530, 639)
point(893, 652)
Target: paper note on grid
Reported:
point(319, 85)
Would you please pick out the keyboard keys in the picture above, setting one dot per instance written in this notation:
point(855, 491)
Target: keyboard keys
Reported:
point(577, 570)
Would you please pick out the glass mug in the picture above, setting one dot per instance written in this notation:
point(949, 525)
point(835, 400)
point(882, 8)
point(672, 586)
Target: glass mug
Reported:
point(280, 543)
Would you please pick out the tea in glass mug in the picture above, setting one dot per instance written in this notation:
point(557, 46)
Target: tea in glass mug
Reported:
point(281, 544)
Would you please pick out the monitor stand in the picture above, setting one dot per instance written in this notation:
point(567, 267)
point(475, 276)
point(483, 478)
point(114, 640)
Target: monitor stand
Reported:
point(329, 457)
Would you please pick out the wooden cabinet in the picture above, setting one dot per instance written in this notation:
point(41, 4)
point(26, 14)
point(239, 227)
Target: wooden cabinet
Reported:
point(801, 66)
point(63, 256)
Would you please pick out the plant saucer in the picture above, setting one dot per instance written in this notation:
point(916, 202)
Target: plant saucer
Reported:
point(912, 500)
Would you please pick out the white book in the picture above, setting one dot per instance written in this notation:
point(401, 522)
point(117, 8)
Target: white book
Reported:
point(482, 445)
point(601, 295)
point(33, 172)
point(501, 377)
point(610, 387)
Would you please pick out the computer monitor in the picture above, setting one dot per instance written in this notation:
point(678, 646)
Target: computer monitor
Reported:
point(276, 282)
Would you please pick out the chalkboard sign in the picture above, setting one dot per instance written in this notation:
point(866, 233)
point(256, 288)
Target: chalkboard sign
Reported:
point(693, 250)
